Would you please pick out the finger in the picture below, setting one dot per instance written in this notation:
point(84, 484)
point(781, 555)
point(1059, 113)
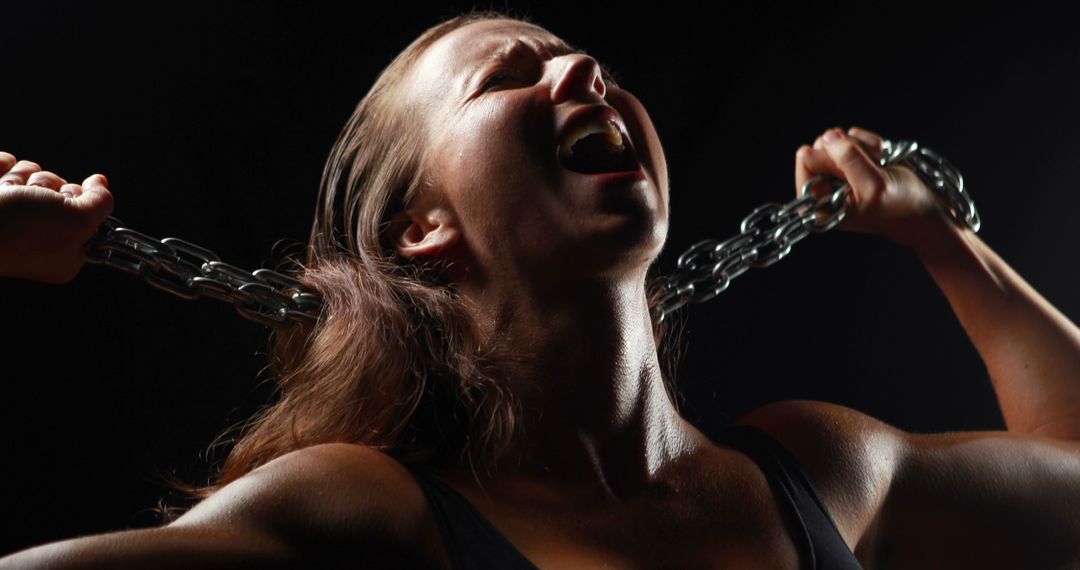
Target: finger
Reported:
point(869, 137)
point(71, 190)
point(871, 141)
point(811, 162)
point(96, 199)
point(45, 179)
point(7, 160)
point(819, 142)
point(864, 176)
point(18, 173)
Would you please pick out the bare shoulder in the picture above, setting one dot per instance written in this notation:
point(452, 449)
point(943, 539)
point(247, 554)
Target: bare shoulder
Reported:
point(983, 499)
point(317, 481)
point(326, 498)
point(327, 506)
point(973, 499)
point(852, 458)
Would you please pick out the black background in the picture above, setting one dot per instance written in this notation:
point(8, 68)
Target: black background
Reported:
point(212, 122)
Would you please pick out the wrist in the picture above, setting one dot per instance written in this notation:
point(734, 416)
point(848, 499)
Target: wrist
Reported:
point(937, 240)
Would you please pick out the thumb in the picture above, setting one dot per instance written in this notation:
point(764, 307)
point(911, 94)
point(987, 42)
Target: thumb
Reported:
point(95, 200)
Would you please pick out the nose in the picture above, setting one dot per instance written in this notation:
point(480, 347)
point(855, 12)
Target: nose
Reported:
point(579, 77)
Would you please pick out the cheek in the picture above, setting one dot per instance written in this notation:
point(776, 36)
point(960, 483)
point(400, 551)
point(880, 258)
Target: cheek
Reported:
point(487, 146)
point(488, 172)
point(512, 126)
point(499, 147)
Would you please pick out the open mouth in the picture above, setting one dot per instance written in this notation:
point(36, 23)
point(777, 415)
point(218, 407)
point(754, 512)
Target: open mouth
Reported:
point(597, 147)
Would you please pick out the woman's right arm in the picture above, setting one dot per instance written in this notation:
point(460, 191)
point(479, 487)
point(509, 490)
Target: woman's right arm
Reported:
point(324, 506)
point(327, 506)
point(166, 547)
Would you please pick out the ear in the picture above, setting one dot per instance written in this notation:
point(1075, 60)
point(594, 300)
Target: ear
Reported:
point(427, 231)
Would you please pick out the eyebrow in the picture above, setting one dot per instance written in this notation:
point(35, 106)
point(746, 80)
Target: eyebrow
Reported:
point(515, 46)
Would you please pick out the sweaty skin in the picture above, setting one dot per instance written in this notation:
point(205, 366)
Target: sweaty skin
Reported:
point(608, 473)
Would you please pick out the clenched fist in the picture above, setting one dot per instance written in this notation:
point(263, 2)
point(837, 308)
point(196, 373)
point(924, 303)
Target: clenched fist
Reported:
point(45, 221)
point(891, 201)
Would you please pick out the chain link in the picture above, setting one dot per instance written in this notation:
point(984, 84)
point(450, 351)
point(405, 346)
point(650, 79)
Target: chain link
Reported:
point(702, 272)
point(767, 234)
point(191, 272)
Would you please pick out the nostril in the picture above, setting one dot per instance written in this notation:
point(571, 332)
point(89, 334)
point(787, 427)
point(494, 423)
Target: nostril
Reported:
point(581, 75)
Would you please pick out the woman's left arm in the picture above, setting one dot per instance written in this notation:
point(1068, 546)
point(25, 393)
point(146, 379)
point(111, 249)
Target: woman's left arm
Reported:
point(1031, 350)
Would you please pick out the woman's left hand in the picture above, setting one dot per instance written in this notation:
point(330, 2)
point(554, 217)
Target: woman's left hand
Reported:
point(889, 201)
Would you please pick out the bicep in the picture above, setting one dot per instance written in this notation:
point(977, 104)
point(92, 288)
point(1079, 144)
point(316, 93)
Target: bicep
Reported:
point(991, 498)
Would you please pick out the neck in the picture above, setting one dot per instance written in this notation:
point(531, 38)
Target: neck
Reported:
point(584, 366)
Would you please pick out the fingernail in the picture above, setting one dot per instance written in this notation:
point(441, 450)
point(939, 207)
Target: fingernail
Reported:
point(832, 135)
point(68, 193)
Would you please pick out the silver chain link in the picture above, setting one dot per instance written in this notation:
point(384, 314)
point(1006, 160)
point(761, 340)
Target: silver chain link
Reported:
point(189, 271)
point(767, 234)
point(702, 272)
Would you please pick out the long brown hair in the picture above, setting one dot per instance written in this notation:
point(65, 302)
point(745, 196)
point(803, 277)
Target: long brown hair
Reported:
point(394, 361)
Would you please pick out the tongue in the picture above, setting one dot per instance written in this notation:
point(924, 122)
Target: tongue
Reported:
point(594, 154)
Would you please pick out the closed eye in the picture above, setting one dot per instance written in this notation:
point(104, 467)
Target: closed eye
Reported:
point(497, 78)
point(519, 51)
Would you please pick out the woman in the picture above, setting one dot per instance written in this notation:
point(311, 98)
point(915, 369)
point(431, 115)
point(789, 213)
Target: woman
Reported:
point(487, 337)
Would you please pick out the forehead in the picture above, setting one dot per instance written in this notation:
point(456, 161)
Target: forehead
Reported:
point(453, 56)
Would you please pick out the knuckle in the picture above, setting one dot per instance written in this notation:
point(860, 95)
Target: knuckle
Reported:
point(108, 201)
point(848, 151)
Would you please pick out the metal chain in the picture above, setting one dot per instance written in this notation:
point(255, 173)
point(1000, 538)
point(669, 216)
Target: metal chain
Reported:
point(189, 271)
point(702, 272)
point(767, 234)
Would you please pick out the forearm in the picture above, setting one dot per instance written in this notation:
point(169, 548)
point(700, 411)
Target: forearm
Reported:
point(1031, 350)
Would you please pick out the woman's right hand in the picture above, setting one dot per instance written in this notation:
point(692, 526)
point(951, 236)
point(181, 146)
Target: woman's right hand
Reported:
point(45, 221)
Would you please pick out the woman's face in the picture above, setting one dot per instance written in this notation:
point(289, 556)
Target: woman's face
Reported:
point(499, 98)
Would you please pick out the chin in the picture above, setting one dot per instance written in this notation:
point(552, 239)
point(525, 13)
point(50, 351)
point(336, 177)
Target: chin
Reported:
point(630, 245)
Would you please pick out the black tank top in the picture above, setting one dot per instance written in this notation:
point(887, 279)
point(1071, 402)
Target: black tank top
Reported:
point(473, 543)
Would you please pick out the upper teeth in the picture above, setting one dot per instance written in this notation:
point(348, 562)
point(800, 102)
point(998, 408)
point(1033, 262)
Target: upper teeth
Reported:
point(572, 136)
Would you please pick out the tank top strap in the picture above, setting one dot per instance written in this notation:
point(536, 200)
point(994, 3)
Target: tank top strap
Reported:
point(820, 539)
point(472, 542)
